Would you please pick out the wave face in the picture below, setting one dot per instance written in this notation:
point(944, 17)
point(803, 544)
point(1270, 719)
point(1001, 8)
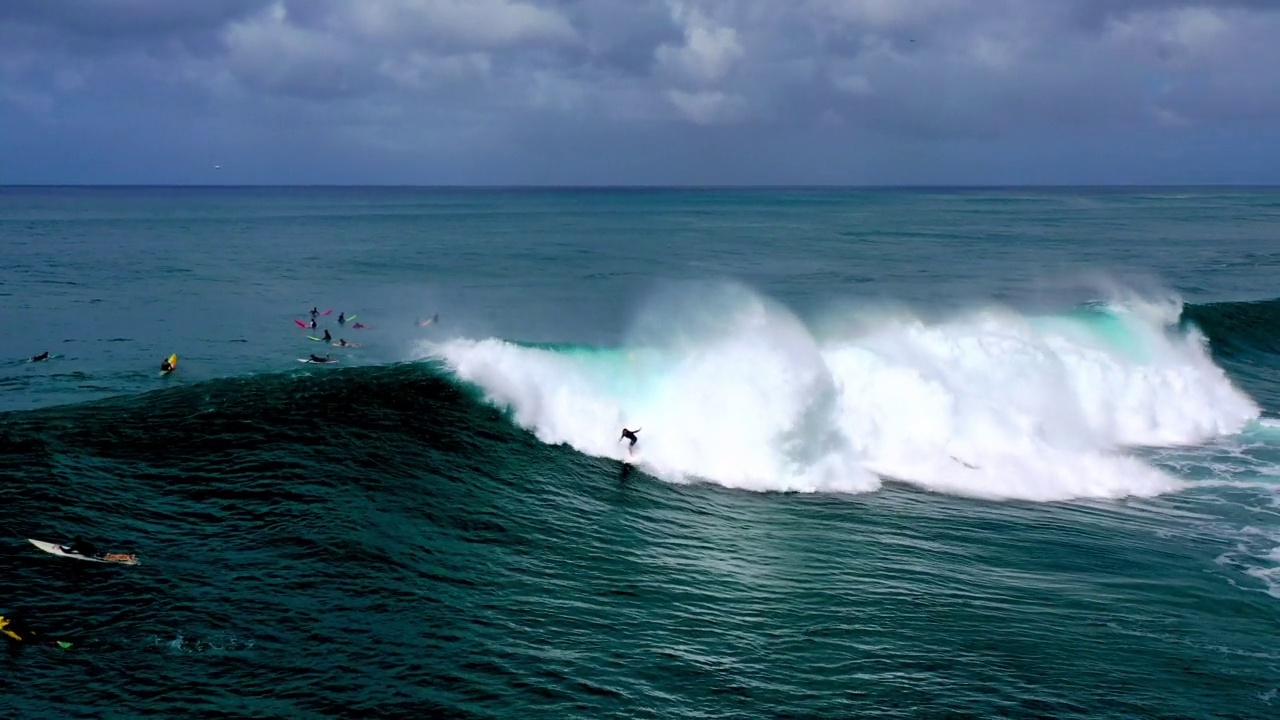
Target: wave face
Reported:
point(733, 388)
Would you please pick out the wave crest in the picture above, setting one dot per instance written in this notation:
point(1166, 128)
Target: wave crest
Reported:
point(733, 388)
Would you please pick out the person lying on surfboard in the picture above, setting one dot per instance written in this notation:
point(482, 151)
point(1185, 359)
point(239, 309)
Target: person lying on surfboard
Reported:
point(42, 356)
point(317, 359)
point(80, 547)
point(630, 435)
point(359, 325)
point(16, 629)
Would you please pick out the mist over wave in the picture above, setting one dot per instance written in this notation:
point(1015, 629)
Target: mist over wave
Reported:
point(733, 388)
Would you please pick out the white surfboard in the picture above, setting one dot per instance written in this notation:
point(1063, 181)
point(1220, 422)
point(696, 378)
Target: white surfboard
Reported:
point(313, 362)
point(56, 549)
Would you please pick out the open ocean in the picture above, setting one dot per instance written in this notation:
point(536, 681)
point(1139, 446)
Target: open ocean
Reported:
point(904, 453)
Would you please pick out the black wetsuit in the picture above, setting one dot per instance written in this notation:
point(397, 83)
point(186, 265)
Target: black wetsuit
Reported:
point(327, 336)
point(42, 356)
point(15, 629)
point(342, 320)
point(80, 547)
point(630, 436)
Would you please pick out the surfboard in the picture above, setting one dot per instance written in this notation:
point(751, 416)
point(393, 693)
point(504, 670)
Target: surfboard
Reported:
point(327, 312)
point(173, 364)
point(347, 345)
point(325, 362)
point(313, 337)
point(56, 549)
point(349, 318)
point(300, 323)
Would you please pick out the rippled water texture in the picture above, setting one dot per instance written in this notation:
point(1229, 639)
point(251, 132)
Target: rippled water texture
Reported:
point(904, 454)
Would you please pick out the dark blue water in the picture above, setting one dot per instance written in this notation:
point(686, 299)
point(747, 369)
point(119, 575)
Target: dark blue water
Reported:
point(903, 453)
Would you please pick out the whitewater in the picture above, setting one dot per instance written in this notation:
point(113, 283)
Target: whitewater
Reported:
point(732, 387)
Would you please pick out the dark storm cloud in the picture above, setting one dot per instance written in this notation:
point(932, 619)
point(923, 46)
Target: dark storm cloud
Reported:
point(441, 85)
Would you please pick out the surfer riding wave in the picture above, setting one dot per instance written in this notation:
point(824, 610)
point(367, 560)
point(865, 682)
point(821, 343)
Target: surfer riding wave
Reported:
point(630, 435)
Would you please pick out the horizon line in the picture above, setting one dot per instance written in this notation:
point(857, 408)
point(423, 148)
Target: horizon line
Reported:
point(648, 186)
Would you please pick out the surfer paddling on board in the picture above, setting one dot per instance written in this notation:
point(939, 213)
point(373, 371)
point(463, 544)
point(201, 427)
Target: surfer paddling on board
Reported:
point(630, 435)
point(42, 356)
point(80, 547)
point(17, 630)
point(317, 359)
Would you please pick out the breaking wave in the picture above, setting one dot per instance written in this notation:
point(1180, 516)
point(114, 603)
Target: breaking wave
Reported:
point(733, 388)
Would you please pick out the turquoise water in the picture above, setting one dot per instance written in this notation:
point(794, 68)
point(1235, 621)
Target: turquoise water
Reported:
point(903, 453)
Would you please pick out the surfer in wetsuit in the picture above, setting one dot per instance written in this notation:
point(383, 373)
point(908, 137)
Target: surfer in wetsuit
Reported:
point(42, 356)
point(317, 359)
point(342, 318)
point(313, 323)
point(327, 336)
point(15, 629)
point(314, 313)
point(630, 435)
point(80, 547)
point(165, 366)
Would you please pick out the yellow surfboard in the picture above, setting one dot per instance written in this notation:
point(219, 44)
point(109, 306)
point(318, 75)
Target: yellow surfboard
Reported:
point(173, 363)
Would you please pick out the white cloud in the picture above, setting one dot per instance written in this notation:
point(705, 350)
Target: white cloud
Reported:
point(709, 50)
point(707, 107)
point(469, 23)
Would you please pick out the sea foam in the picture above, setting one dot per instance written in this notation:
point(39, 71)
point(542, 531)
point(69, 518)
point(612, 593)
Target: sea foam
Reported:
point(732, 388)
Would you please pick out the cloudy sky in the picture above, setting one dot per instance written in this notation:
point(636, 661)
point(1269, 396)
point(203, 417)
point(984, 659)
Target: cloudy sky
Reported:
point(640, 91)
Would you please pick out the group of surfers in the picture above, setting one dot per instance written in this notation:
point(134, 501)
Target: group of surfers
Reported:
point(167, 366)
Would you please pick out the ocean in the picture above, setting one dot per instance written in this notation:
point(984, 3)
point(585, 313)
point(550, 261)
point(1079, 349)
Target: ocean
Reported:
point(981, 452)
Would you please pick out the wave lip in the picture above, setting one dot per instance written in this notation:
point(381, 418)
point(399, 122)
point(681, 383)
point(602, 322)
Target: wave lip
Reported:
point(732, 388)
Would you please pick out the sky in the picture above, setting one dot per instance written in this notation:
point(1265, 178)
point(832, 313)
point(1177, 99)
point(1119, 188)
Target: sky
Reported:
point(640, 92)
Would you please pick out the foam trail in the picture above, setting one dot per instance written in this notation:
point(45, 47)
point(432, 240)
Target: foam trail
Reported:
point(734, 389)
